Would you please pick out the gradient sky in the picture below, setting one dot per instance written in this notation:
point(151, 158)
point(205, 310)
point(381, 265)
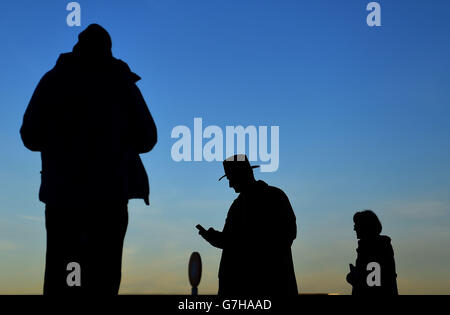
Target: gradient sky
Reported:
point(363, 115)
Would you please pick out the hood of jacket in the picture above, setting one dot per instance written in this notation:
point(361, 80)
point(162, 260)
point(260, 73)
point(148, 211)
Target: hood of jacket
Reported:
point(113, 66)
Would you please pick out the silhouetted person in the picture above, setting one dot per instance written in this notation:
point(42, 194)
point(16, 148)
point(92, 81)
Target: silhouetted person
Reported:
point(257, 237)
point(372, 247)
point(89, 120)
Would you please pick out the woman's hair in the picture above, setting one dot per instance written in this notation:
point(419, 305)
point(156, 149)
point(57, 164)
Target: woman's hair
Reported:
point(368, 221)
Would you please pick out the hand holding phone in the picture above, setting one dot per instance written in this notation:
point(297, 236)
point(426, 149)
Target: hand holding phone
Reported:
point(200, 228)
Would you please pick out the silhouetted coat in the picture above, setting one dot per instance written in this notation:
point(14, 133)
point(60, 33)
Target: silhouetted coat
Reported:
point(256, 242)
point(377, 249)
point(90, 122)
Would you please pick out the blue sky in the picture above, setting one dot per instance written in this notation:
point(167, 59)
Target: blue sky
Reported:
point(363, 115)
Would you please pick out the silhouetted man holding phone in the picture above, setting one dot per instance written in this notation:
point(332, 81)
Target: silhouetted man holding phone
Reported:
point(257, 237)
point(89, 120)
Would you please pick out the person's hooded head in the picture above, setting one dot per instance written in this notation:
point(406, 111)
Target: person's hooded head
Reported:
point(93, 43)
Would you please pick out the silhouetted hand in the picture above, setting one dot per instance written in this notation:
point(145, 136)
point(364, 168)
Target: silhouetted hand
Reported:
point(215, 238)
point(207, 234)
point(351, 274)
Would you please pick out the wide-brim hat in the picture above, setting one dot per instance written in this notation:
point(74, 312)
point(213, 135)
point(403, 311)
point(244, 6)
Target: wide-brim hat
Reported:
point(237, 163)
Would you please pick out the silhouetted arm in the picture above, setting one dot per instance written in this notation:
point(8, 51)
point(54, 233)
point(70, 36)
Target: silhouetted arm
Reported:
point(288, 224)
point(215, 238)
point(143, 128)
point(33, 130)
point(388, 271)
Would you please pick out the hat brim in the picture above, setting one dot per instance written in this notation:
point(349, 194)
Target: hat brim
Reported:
point(252, 166)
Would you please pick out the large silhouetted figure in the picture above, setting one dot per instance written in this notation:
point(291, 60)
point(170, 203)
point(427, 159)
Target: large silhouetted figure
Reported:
point(257, 237)
point(89, 120)
point(366, 277)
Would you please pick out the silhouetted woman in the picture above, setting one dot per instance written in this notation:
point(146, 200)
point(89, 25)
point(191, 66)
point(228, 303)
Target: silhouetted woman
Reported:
point(373, 250)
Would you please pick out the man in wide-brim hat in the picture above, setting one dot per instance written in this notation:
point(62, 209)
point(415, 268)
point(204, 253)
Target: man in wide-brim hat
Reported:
point(257, 237)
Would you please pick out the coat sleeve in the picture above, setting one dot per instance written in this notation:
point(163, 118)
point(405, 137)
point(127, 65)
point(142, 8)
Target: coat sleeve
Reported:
point(216, 239)
point(286, 220)
point(221, 239)
point(33, 130)
point(388, 272)
point(143, 129)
